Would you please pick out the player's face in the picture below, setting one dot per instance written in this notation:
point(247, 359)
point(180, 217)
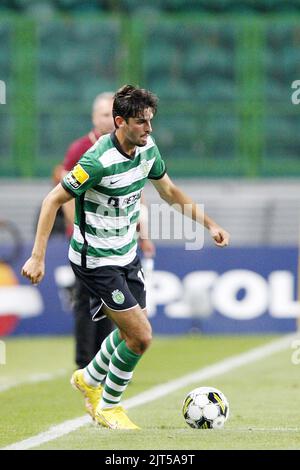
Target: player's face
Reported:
point(137, 129)
point(102, 116)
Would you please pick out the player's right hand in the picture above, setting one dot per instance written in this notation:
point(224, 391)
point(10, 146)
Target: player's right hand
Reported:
point(34, 270)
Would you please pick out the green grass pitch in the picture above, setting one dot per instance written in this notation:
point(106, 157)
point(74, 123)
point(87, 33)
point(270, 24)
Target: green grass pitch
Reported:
point(263, 396)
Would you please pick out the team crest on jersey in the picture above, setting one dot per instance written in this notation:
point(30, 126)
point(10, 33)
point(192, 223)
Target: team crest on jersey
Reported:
point(118, 297)
point(145, 167)
point(77, 176)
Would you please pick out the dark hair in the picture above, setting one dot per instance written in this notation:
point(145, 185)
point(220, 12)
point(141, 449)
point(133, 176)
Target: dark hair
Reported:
point(130, 101)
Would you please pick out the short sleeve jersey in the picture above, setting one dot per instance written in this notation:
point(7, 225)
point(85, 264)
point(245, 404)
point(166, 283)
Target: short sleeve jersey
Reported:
point(107, 185)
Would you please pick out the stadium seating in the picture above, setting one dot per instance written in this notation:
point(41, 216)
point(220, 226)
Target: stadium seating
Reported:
point(77, 6)
point(69, 78)
point(131, 6)
point(208, 61)
point(190, 55)
point(92, 63)
point(5, 52)
point(224, 85)
point(6, 121)
point(282, 143)
point(6, 163)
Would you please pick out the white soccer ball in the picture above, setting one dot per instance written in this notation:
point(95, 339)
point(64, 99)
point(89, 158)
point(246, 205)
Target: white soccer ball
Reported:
point(205, 408)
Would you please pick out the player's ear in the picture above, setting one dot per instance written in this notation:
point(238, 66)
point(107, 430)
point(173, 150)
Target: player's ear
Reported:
point(119, 121)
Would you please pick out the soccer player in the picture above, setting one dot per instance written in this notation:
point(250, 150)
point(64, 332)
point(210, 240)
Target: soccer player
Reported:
point(89, 334)
point(107, 184)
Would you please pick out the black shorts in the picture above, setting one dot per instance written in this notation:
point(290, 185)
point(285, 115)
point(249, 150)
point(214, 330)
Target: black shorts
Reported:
point(117, 287)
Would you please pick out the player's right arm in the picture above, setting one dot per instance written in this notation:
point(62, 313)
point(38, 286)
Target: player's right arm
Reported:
point(68, 209)
point(34, 268)
point(84, 175)
point(72, 156)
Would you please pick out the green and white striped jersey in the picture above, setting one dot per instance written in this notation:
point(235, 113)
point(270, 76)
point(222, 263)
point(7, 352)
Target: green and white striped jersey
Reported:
point(107, 185)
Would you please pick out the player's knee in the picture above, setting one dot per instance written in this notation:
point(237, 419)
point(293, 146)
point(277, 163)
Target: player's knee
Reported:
point(145, 341)
point(140, 343)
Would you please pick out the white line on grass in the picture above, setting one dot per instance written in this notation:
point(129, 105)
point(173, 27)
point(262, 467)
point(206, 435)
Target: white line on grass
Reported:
point(254, 429)
point(34, 378)
point(154, 393)
point(271, 429)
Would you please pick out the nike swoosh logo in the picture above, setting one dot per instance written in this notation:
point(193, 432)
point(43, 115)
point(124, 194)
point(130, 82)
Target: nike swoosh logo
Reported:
point(115, 181)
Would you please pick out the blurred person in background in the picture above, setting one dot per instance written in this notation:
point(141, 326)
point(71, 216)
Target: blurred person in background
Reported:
point(89, 334)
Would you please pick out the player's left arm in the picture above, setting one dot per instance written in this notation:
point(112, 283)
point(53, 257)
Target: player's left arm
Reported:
point(173, 195)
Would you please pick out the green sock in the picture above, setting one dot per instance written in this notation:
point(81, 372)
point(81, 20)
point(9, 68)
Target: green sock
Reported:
point(121, 366)
point(97, 369)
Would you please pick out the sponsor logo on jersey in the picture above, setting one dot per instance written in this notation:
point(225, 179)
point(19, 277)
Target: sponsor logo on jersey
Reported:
point(122, 202)
point(131, 199)
point(77, 177)
point(114, 181)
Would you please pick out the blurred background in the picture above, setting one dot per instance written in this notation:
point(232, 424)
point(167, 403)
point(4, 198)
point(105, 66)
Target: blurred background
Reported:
point(226, 127)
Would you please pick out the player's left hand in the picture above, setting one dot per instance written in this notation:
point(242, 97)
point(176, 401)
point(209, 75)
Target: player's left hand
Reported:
point(219, 235)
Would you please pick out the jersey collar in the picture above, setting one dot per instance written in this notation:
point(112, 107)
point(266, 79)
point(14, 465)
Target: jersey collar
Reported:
point(116, 143)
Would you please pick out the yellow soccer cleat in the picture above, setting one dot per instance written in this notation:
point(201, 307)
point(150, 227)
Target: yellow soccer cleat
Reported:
point(114, 418)
point(92, 395)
